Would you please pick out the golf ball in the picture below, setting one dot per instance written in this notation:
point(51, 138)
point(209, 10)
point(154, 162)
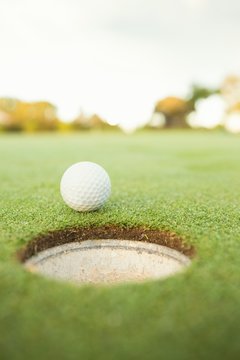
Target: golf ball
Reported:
point(85, 186)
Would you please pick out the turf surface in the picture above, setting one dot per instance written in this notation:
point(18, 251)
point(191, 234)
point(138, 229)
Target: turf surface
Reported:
point(185, 182)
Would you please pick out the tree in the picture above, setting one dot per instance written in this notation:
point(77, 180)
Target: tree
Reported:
point(92, 122)
point(199, 92)
point(174, 110)
point(38, 116)
point(28, 116)
point(9, 121)
point(230, 90)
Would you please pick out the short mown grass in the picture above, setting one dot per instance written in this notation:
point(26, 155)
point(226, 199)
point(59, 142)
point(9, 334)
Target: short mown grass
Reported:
point(184, 182)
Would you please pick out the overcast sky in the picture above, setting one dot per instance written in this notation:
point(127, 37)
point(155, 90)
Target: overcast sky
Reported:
point(115, 57)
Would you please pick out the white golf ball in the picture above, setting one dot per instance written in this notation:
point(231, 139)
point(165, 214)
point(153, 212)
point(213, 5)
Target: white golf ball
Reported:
point(85, 186)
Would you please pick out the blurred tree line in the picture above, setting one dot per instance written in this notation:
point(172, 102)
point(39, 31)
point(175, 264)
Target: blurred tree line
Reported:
point(173, 112)
point(169, 112)
point(17, 116)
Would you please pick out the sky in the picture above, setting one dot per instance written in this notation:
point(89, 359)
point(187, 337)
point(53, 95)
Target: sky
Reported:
point(115, 58)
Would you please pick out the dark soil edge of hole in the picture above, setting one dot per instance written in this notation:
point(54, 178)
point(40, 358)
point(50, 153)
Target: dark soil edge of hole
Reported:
point(60, 237)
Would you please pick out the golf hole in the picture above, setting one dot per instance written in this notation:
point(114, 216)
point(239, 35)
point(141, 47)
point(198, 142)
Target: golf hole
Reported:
point(107, 261)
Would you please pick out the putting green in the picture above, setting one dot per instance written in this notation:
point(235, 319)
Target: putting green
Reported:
point(183, 182)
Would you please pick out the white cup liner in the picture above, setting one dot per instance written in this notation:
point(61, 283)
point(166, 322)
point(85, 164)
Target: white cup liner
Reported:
point(107, 262)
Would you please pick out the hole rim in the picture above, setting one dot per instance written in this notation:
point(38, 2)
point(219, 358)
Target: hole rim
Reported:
point(58, 237)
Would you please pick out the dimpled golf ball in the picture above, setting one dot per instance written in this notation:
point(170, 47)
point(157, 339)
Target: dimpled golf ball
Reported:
point(85, 186)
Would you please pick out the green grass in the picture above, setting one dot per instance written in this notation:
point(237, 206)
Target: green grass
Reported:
point(185, 182)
